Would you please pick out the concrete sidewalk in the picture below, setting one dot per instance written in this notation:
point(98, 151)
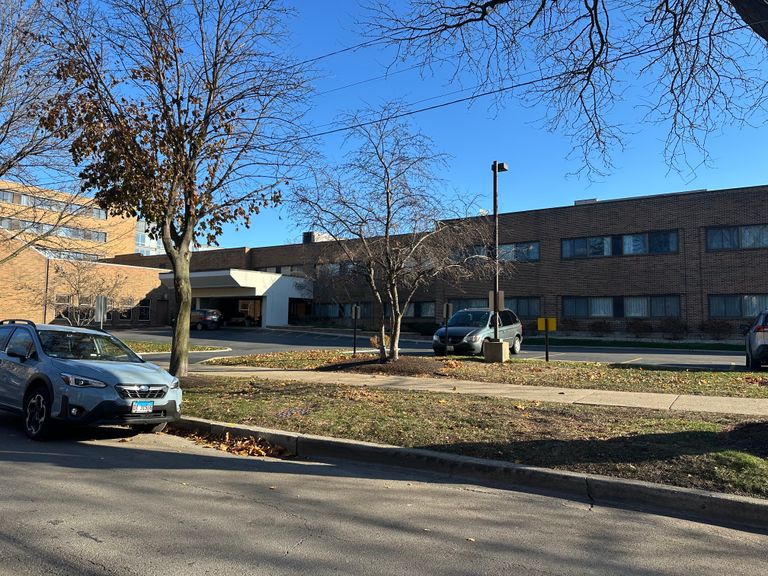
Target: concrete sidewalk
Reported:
point(656, 401)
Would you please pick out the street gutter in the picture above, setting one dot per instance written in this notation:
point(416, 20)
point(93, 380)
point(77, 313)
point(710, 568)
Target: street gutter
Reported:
point(740, 512)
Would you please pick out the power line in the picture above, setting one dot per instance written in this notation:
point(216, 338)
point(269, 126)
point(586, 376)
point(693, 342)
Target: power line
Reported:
point(502, 89)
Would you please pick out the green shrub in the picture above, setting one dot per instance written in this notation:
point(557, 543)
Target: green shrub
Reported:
point(639, 327)
point(674, 328)
point(600, 327)
point(716, 329)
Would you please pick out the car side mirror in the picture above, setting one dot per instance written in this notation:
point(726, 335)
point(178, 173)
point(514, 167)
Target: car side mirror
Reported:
point(20, 352)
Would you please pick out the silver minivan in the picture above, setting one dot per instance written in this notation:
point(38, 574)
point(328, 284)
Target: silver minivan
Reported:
point(756, 341)
point(469, 329)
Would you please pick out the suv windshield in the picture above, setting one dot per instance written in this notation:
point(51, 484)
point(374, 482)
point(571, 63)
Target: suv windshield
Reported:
point(85, 346)
point(473, 318)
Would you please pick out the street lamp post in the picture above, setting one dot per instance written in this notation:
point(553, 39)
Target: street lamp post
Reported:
point(496, 167)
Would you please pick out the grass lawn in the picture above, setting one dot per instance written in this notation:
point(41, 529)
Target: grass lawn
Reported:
point(142, 347)
point(526, 372)
point(708, 451)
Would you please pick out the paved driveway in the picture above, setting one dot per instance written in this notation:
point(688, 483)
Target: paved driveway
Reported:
point(103, 503)
point(244, 341)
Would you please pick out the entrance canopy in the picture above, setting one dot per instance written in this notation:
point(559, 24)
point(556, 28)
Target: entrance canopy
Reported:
point(275, 289)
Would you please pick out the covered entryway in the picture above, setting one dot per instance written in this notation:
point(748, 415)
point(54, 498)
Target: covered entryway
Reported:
point(258, 298)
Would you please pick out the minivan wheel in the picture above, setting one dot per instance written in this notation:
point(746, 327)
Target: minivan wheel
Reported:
point(37, 414)
point(199, 326)
point(515, 348)
point(148, 428)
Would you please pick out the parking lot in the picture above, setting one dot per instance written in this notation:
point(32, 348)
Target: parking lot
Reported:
point(263, 340)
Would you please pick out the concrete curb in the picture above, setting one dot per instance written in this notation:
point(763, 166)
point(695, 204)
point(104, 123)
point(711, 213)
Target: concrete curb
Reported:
point(711, 507)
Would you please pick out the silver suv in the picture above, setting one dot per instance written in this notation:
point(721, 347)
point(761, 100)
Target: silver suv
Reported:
point(80, 376)
point(757, 342)
point(471, 328)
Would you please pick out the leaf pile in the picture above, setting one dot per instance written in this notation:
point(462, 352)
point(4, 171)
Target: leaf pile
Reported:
point(240, 445)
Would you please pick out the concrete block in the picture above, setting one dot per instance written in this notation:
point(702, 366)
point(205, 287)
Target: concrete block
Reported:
point(496, 351)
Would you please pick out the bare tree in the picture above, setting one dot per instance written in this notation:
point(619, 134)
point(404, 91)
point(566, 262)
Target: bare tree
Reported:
point(28, 150)
point(73, 287)
point(698, 61)
point(184, 112)
point(383, 208)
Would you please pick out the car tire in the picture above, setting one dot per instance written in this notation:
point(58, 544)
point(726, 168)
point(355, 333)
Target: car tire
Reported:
point(199, 326)
point(752, 364)
point(515, 348)
point(38, 419)
point(148, 428)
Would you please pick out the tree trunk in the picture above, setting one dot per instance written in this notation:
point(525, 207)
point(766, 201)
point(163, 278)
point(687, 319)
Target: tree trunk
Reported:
point(382, 337)
point(394, 339)
point(183, 290)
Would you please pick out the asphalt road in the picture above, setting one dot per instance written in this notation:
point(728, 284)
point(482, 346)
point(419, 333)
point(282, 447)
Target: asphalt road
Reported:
point(276, 340)
point(104, 503)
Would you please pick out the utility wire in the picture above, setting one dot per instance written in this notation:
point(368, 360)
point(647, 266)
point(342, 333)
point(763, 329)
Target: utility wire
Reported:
point(502, 89)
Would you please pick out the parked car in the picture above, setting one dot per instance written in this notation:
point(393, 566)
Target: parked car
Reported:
point(208, 318)
point(80, 376)
point(469, 329)
point(757, 342)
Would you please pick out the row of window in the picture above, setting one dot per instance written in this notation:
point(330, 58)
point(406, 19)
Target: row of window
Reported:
point(66, 254)
point(51, 205)
point(720, 306)
point(621, 307)
point(737, 237)
point(65, 302)
point(514, 252)
point(43, 228)
point(659, 242)
point(658, 306)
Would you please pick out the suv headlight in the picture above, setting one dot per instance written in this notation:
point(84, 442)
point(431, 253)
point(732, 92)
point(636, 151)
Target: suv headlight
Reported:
point(473, 338)
point(82, 381)
point(174, 383)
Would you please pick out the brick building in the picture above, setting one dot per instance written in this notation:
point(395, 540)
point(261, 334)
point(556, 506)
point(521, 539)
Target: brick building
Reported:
point(660, 263)
point(657, 263)
point(50, 247)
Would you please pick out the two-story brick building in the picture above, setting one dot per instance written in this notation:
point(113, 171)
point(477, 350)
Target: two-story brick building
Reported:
point(661, 263)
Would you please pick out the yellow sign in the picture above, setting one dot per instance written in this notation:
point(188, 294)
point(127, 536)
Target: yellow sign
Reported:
point(547, 324)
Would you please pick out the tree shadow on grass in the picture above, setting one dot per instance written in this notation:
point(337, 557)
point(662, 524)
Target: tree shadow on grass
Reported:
point(750, 438)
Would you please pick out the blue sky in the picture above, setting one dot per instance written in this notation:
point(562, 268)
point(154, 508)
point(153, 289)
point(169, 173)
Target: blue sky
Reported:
point(473, 136)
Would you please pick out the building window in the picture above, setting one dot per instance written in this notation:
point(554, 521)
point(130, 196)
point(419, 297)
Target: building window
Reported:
point(666, 306)
point(62, 302)
point(144, 310)
point(527, 307)
point(660, 242)
point(736, 237)
point(520, 252)
point(42, 228)
point(125, 313)
point(420, 310)
point(737, 305)
point(461, 303)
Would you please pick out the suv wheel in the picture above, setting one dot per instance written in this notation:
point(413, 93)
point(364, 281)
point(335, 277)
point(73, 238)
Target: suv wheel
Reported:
point(515, 348)
point(751, 363)
point(148, 428)
point(37, 414)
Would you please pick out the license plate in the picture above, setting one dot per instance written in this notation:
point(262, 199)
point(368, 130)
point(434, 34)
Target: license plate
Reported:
point(142, 407)
point(449, 348)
